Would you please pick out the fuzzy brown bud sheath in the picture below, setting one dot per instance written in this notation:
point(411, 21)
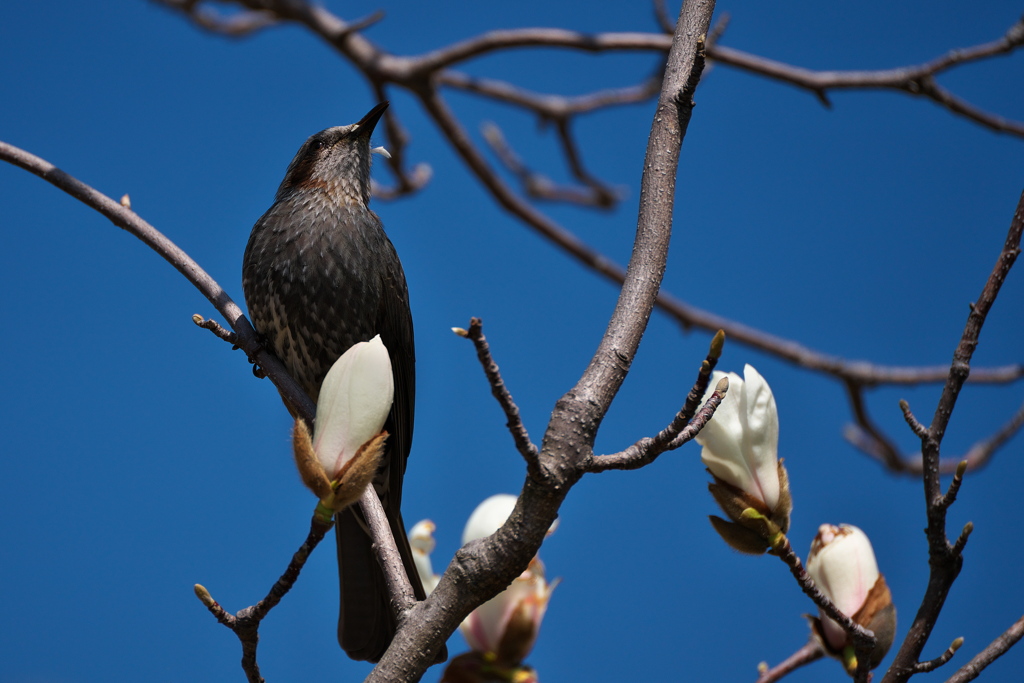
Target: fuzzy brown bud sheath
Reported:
point(310, 469)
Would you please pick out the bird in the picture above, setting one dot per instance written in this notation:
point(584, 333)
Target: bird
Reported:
point(319, 275)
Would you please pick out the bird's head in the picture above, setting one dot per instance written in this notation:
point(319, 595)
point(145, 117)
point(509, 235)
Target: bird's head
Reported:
point(336, 160)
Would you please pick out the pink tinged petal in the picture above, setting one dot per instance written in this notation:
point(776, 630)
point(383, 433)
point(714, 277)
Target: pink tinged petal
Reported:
point(484, 628)
point(472, 628)
point(842, 564)
point(355, 399)
point(485, 625)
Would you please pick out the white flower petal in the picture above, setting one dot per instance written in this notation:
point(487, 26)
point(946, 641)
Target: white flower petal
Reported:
point(842, 564)
point(762, 435)
point(355, 399)
point(484, 627)
point(488, 517)
point(421, 538)
point(741, 440)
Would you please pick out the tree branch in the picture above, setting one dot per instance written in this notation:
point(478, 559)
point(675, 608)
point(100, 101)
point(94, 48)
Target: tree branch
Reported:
point(539, 186)
point(483, 568)
point(684, 426)
point(245, 624)
point(917, 80)
point(945, 560)
point(996, 649)
point(882, 449)
point(933, 664)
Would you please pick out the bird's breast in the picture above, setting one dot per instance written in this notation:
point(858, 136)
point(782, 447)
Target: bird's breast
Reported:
point(312, 276)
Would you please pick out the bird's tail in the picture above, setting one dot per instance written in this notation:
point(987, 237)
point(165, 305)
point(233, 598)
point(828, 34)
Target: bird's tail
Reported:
point(366, 622)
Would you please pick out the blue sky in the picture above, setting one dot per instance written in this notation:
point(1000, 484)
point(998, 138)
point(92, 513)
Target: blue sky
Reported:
point(143, 457)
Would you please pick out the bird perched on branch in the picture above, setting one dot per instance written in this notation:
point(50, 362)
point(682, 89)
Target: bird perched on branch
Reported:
point(320, 275)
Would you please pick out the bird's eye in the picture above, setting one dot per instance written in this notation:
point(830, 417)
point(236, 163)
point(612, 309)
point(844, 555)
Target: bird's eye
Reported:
point(318, 144)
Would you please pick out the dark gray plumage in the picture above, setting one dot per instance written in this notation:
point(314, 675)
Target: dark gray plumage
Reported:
point(320, 275)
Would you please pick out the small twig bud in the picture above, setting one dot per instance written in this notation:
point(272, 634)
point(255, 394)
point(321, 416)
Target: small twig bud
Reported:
point(717, 343)
point(461, 331)
point(958, 547)
point(126, 201)
point(723, 385)
point(204, 595)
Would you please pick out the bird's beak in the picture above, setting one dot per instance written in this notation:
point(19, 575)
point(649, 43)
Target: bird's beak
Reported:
point(366, 124)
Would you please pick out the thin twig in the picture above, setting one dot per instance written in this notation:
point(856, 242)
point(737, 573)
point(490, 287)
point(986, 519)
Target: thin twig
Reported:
point(718, 30)
point(980, 453)
point(810, 652)
point(933, 664)
point(215, 327)
point(500, 391)
point(645, 451)
point(996, 649)
point(686, 424)
point(861, 637)
point(661, 15)
point(550, 106)
point(876, 443)
point(539, 186)
point(954, 486)
point(920, 431)
point(245, 624)
point(317, 530)
point(605, 196)
point(408, 181)
point(234, 26)
point(976, 457)
point(958, 548)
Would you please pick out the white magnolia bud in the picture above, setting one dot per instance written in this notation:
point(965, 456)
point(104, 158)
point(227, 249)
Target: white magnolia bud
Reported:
point(506, 626)
point(741, 441)
point(842, 564)
point(355, 399)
